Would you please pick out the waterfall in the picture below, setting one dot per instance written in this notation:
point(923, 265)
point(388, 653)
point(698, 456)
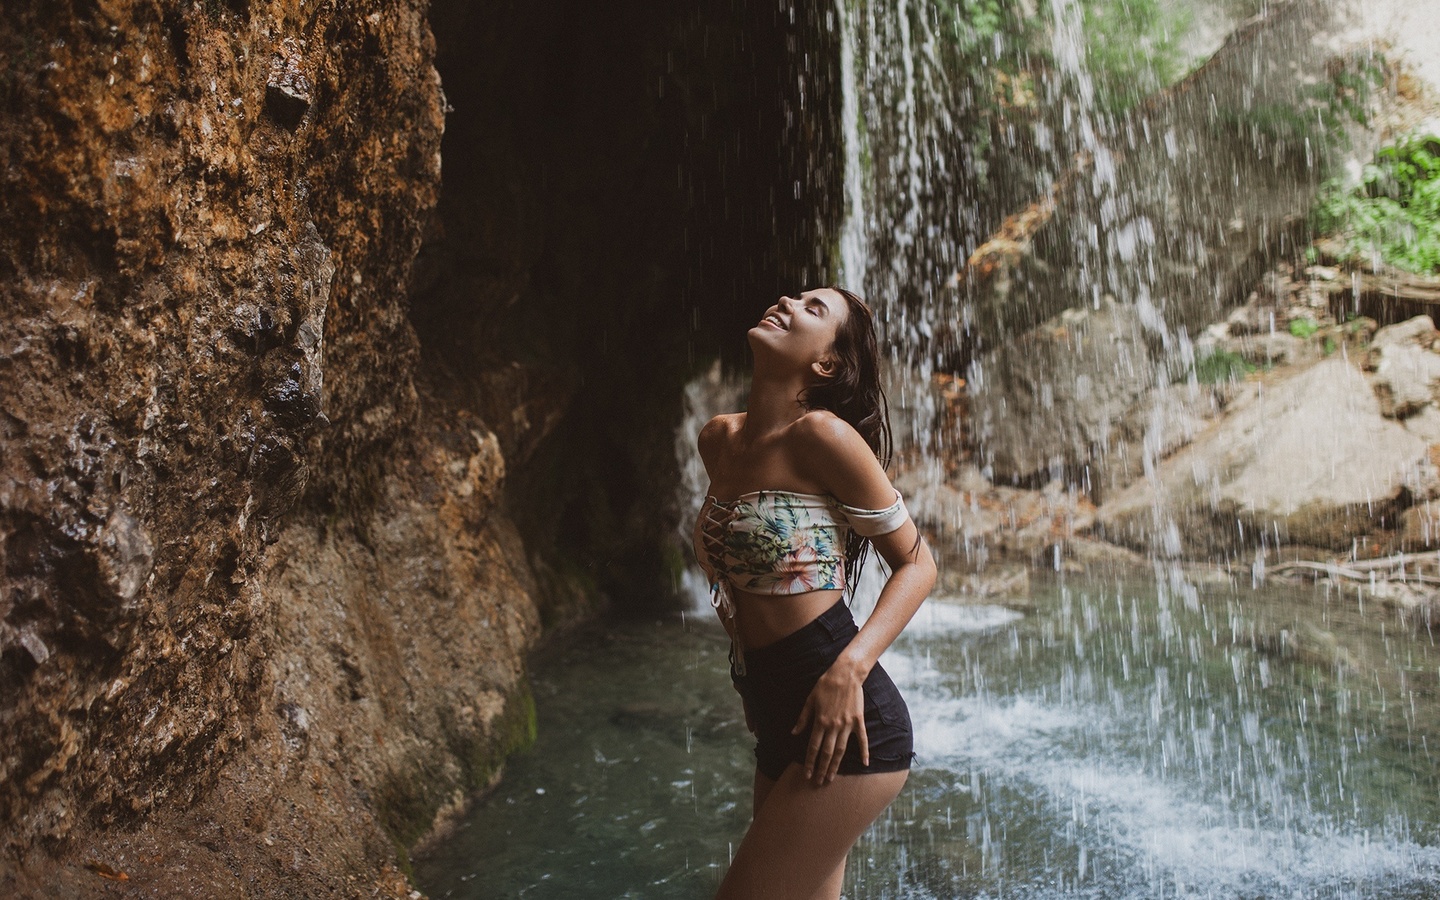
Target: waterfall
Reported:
point(1069, 364)
point(1127, 732)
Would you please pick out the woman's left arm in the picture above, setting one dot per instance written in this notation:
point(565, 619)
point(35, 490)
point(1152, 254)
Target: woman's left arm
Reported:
point(836, 706)
point(912, 575)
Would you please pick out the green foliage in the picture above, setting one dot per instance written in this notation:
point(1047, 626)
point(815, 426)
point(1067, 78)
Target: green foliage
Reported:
point(975, 23)
point(1133, 48)
point(1395, 211)
point(1303, 328)
point(1222, 365)
point(1319, 116)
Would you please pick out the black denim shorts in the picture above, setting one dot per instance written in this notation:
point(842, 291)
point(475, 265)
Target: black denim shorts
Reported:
point(777, 682)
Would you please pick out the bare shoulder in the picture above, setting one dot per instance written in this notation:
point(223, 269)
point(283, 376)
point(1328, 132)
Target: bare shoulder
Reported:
point(828, 445)
point(820, 435)
point(716, 434)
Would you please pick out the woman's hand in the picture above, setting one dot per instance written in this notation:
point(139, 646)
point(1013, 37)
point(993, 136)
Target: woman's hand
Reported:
point(834, 711)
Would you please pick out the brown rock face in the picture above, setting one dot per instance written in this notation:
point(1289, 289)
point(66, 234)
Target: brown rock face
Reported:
point(209, 215)
point(281, 508)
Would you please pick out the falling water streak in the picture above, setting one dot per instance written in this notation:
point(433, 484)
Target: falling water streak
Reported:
point(909, 145)
point(854, 252)
point(897, 243)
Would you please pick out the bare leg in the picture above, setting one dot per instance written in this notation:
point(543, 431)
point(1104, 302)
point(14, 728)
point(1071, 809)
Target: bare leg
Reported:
point(763, 786)
point(830, 890)
point(797, 844)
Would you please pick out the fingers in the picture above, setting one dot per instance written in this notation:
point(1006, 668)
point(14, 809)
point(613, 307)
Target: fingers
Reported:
point(837, 754)
point(822, 757)
point(864, 740)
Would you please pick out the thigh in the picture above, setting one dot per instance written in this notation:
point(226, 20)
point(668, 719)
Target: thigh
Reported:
point(801, 833)
point(830, 890)
point(763, 786)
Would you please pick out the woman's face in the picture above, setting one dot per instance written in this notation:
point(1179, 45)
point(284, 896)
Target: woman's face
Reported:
point(801, 329)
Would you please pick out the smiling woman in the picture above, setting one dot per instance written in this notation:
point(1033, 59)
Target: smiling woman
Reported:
point(803, 468)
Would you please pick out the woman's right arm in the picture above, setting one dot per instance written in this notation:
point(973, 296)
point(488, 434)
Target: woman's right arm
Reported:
point(709, 444)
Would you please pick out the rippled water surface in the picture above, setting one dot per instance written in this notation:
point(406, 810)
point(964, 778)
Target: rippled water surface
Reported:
point(1110, 740)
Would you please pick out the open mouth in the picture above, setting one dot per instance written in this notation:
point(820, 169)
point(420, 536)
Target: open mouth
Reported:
point(772, 319)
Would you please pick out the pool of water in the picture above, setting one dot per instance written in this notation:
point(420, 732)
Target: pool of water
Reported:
point(1110, 740)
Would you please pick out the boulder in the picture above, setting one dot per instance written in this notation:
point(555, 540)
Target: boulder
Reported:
point(1049, 401)
point(970, 520)
point(1309, 458)
point(1407, 370)
point(1420, 527)
point(1270, 348)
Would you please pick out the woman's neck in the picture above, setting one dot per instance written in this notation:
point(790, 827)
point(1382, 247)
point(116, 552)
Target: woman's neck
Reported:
point(773, 405)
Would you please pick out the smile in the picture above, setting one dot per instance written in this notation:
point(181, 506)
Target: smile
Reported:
point(772, 319)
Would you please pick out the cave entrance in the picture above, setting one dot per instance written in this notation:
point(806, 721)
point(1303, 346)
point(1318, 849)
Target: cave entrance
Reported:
point(621, 193)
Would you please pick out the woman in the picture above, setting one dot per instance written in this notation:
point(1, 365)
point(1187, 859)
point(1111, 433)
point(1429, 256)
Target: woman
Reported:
point(805, 494)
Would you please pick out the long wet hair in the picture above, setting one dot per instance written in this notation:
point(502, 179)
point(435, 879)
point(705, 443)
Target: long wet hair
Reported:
point(854, 393)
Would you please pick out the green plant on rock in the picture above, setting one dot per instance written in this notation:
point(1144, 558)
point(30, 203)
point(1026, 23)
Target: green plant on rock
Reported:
point(1133, 48)
point(1221, 366)
point(1303, 328)
point(1320, 115)
point(1394, 213)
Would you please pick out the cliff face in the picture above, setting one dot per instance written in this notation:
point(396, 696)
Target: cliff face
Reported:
point(291, 460)
point(231, 555)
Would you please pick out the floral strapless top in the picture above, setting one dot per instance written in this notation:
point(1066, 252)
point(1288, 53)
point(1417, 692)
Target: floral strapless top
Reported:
point(781, 542)
point(784, 542)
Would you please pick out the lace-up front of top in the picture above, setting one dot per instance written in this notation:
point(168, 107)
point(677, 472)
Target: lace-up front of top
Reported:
point(781, 542)
point(784, 542)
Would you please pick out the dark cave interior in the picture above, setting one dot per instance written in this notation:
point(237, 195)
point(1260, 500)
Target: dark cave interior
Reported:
point(622, 195)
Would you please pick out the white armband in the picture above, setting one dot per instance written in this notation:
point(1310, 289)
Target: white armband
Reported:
point(875, 522)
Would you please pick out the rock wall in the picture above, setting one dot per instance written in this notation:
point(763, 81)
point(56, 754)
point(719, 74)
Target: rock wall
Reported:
point(210, 214)
point(291, 467)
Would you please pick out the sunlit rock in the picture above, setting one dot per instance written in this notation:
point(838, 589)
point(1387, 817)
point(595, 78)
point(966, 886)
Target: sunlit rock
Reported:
point(1406, 366)
point(1311, 459)
point(1175, 210)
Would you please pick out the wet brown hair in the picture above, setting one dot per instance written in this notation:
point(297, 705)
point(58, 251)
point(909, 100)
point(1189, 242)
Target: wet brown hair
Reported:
point(854, 393)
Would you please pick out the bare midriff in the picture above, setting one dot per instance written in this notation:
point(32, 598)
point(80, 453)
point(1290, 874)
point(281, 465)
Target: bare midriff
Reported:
point(766, 618)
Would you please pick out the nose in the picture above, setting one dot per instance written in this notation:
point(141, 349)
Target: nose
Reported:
point(784, 303)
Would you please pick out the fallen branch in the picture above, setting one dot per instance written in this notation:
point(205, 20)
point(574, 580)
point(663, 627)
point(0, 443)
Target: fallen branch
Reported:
point(1363, 570)
point(1400, 559)
point(1387, 297)
point(1331, 569)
